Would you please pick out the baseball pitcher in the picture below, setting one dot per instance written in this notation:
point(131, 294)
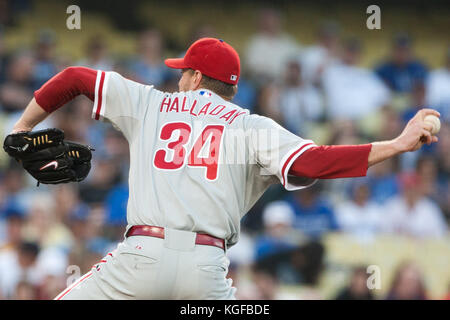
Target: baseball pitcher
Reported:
point(198, 163)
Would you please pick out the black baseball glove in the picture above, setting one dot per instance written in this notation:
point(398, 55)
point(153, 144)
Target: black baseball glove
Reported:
point(47, 157)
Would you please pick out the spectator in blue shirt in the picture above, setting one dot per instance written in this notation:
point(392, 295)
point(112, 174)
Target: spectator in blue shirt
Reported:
point(276, 245)
point(148, 67)
point(314, 216)
point(402, 71)
point(12, 219)
point(246, 95)
point(116, 206)
point(382, 181)
point(45, 66)
point(278, 218)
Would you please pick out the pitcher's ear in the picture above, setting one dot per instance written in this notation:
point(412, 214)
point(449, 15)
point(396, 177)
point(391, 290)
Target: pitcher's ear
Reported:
point(197, 78)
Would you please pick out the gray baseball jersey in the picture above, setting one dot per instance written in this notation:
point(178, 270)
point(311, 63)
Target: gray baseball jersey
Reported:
point(197, 162)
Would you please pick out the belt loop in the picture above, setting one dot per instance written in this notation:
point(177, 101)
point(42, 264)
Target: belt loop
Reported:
point(179, 240)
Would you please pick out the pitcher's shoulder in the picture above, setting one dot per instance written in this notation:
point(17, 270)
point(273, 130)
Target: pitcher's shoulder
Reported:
point(254, 120)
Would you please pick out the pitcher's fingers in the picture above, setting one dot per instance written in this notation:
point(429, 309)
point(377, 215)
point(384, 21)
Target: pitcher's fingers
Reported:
point(434, 139)
point(427, 126)
point(427, 137)
point(426, 111)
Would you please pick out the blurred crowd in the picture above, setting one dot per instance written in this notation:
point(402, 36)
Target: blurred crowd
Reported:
point(317, 91)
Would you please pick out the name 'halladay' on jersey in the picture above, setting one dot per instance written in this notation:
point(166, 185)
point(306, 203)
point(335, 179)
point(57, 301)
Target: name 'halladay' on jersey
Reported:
point(197, 162)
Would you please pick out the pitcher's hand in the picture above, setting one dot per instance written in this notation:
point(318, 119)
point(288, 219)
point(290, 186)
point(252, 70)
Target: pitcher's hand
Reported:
point(417, 132)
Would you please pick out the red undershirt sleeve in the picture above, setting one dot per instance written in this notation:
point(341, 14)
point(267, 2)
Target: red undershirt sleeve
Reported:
point(65, 86)
point(331, 162)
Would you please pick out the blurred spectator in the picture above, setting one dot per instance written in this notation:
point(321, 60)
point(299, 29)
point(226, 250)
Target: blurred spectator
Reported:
point(17, 90)
point(443, 166)
point(116, 210)
point(270, 48)
point(5, 12)
point(14, 186)
point(352, 92)
point(75, 119)
point(66, 199)
point(411, 213)
point(278, 218)
point(103, 176)
point(426, 169)
point(17, 266)
point(344, 132)
point(43, 226)
point(382, 181)
point(314, 216)
point(309, 261)
point(77, 220)
point(438, 94)
point(87, 224)
point(402, 70)
point(25, 291)
point(266, 285)
point(359, 215)
point(148, 67)
point(300, 102)
point(442, 154)
point(357, 288)
point(116, 147)
point(11, 10)
point(268, 102)
point(316, 58)
point(97, 54)
point(95, 223)
point(14, 220)
point(276, 244)
point(242, 254)
point(417, 97)
point(52, 265)
point(200, 30)
point(391, 124)
point(408, 283)
point(246, 94)
point(3, 57)
point(45, 66)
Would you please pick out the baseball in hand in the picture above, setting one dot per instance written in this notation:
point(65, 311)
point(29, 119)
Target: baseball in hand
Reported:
point(435, 122)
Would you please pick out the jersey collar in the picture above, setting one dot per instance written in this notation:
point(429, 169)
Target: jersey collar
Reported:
point(205, 92)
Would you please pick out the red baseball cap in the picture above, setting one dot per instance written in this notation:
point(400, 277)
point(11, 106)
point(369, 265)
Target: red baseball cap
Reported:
point(213, 58)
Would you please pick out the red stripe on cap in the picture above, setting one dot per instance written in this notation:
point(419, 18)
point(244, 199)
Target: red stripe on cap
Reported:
point(283, 170)
point(99, 95)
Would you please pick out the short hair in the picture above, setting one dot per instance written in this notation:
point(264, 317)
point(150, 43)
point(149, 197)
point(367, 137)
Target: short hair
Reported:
point(223, 89)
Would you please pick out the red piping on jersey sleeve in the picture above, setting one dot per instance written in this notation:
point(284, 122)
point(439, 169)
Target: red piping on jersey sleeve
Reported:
point(65, 86)
point(283, 170)
point(99, 96)
point(331, 162)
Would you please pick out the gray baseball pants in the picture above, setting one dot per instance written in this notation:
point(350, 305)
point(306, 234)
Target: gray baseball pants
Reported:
point(145, 267)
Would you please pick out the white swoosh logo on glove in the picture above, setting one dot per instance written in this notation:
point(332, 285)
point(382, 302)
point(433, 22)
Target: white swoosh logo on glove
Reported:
point(53, 163)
